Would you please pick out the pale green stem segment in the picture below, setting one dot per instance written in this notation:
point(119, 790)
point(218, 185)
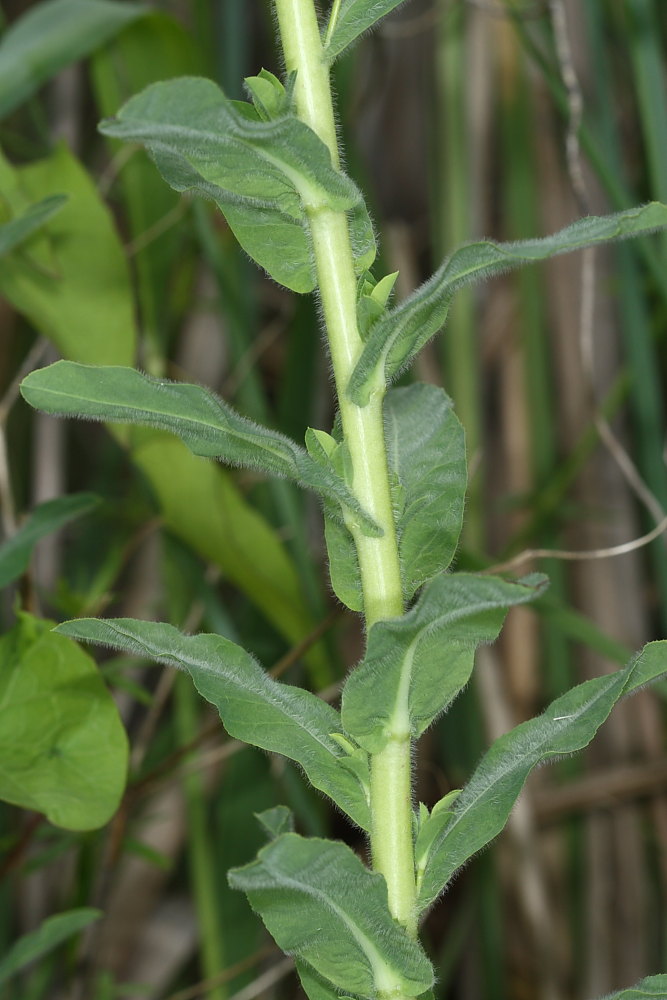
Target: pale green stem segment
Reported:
point(391, 806)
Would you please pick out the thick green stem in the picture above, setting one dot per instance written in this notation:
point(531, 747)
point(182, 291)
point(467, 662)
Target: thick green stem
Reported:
point(391, 807)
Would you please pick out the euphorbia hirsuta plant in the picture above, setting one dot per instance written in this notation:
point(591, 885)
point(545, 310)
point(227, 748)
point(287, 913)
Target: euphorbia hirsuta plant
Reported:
point(391, 477)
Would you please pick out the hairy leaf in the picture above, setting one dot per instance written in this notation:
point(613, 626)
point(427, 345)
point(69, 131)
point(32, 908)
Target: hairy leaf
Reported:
point(62, 744)
point(276, 821)
point(354, 17)
point(207, 425)
point(51, 35)
point(324, 906)
point(427, 461)
point(18, 230)
point(253, 707)
point(567, 725)
point(262, 174)
point(400, 335)
point(651, 988)
point(46, 518)
point(427, 469)
point(415, 665)
point(52, 932)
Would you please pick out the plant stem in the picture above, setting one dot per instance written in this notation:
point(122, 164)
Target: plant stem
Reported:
point(363, 429)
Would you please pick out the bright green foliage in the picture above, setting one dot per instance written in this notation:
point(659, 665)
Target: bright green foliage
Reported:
point(43, 520)
point(52, 35)
point(207, 425)
point(62, 745)
point(52, 933)
point(651, 988)
point(323, 905)
point(351, 20)
point(261, 174)
point(416, 665)
point(401, 334)
point(567, 725)
point(79, 299)
point(253, 707)
point(21, 228)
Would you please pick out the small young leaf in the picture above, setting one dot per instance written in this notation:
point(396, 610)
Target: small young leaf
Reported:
point(276, 821)
point(567, 725)
point(262, 174)
point(205, 423)
point(52, 35)
point(651, 988)
point(324, 906)
point(354, 17)
point(430, 827)
point(253, 707)
point(16, 231)
point(400, 335)
point(45, 939)
point(416, 665)
point(62, 744)
point(268, 95)
point(46, 518)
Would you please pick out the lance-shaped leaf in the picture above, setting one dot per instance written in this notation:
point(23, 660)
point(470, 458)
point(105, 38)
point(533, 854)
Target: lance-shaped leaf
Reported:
point(351, 20)
point(415, 665)
point(322, 905)
point(262, 174)
point(253, 707)
point(400, 335)
point(567, 725)
point(52, 932)
point(427, 469)
point(51, 35)
point(207, 425)
point(651, 988)
point(18, 230)
point(46, 518)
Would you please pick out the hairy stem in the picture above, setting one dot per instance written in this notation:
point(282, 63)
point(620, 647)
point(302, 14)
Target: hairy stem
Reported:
point(391, 834)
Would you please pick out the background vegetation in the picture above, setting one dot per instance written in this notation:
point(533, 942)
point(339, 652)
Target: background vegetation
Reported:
point(461, 120)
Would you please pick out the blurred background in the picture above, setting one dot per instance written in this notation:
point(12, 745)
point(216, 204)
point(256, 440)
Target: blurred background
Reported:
point(461, 119)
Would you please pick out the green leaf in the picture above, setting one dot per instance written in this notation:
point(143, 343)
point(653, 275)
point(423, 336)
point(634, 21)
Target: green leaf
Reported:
point(262, 174)
point(354, 18)
point(322, 905)
point(429, 828)
point(46, 518)
point(62, 744)
point(567, 725)
point(253, 707)
point(427, 461)
point(18, 230)
point(427, 469)
point(52, 35)
point(276, 821)
point(81, 300)
point(400, 335)
point(416, 665)
point(209, 426)
point(53, 931)
point(651, 988)
point(314, 986)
